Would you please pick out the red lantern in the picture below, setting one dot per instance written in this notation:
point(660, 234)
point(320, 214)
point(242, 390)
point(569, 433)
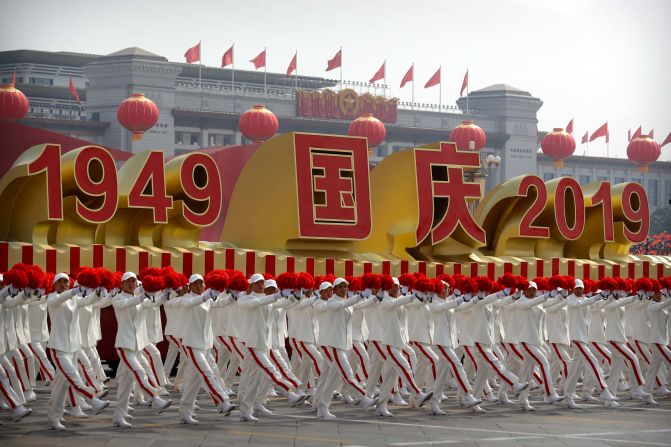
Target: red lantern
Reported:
point(558, 145)
point(370, 127)
point(137, 114)
point(13, 103)
point(466, 132)
point(643, 150)
point(258, 123)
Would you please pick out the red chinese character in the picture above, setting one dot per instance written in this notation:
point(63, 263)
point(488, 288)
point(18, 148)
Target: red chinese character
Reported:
point(333, 187)
point(442, 193)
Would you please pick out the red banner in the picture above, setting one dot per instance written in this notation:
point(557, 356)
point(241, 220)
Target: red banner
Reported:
point(346, 104)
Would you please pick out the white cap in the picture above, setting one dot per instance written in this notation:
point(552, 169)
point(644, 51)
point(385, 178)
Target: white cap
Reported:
point(128, 275)
point(256, 277)
point(532, 284)
point(340, 281)
point(395, 279)
point(269, 283)
point(579, 283)
point(325, 285)
point(61, 276)
point(195, 277)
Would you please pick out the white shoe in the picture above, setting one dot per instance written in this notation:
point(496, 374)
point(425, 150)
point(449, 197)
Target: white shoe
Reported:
point(519, 387)
point(324, 413)
point(503, 398)
point(638, 393)
point(78, 413)
point(421, 398)
point(102, 393)
point(382, 411)
point(30, 396)
point(588, 398)
point(56, 425)
point(163, 392)
point(348, 399)
point(295, 399)
point(226, 408)
point(435, 409)
point(404, 392)
point(120, 422)
point(525, 406)
point(570, 404)
point(159, 404)
point(612, 404)
point(649, 401)
point(662, 391)
point(131, 409)
point(258, 407)
point(367, 403)
point(98, 405)
point(469, 400)
point(187, 418)
point(478, 409)
point(247, 417)
point(491, 398)
point(141, 401)
point(20, 412)
point(623, 386)
point(607, 396)
point(552, 398)
point(397, 399)
point(272, 393)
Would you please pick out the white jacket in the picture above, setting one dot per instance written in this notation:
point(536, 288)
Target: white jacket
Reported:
point(372, 319)
point(221, 315)
point(254, 321)
point(442, 318)
point(197, 332)
point(37, 320)
point(359, 326)
point(659, 321)
point(174, 316)
point(104, 302)
point(597, 325)
point(475, 321)
point(278, 325)
point(153, 318)
point(578, 316)
point(390, 315)
point(614, 318)
point(64, 308)
point(420, 324)
point(530, 319)
point(508, 319)
point(638, 318)
point(556, 325)
point(335, 321)
point(131, 322)
point(302, 322)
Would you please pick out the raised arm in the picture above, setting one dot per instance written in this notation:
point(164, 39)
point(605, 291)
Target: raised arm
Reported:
point(444, 306)
point(654, 306)
point(121, 302)
point(398, 302)
point(365, 303)
point(341, 304)
point(554, 306)
point(57, 299)
point(306, 302)
point(89, 299)
point(14, 301)
point(621, 302)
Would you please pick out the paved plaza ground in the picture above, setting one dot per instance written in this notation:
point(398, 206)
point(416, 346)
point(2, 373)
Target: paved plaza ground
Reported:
point(501, 426)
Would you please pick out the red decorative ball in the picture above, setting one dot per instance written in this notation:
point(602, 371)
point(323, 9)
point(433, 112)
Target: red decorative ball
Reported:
point(258, 123)
point(137, 114)
point(370, 127)
point(13, 103)
point(466, 132)
point(558, 145)
point(643, 150)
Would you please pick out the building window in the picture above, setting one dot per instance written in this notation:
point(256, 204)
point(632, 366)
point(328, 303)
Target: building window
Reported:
point(41, 81)
point(620, 180)
point(602, 178)
point(195, 139)
point(548, 176)
point(179, 137)
point(219, 139)
point(653, 192)
point(19, 80)
point(667, 189)
point(585, 179)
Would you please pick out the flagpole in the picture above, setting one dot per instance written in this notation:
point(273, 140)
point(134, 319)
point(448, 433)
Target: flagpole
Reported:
point(265, 71)
point(414, 120)
point(200, 72)
point(384, 81)
point(233, 74)
point(467, 82)
point(340, 68)
point(296, 73)
point(440, 88)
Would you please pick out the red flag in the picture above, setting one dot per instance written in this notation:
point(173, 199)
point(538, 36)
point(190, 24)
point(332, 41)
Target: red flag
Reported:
point(569, 126)
point(192, 54)
point(464, 84)
point(73, 91)
point(380, 74)
point(260, 60)
point(13, 81)
point(629, 135)
point(600, 132)
point(335, 62)
point(667, 140)
point(434, 80)
point(293, 64)
point(637, 133)
point(652, 133)
point(585, 138)
point(227, 59)
point(408, 76)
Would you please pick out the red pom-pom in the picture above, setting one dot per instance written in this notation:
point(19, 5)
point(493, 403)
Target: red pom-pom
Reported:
point(569, 282)
point(644, 284)
point(117, 280)
point(305, 281)
point(590, 285)
point(543, 283)
point(467, 285)
point(217, 280)
point(17, 278)
point(424, 285)
point(106, 278)
point(449, 279)
point(354, 283)
point(522, 283)
point(607, 284)
point(556, 281)
point(437, 285)
point(238, 282)
point(48, 283)
point(152, 283)
point(484, 283)
point(287, 280)
point(267, 276)
point(34, 272)
point(624, 284)
point(149, 271)
point(88, 277)
point(665, 282)
point(656, 286)
point(386, 282)
point(371, 281)
point(419, 275)
point(407, 280)
point(508, 280)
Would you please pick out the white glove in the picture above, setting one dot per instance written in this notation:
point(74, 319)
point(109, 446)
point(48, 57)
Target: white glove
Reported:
point(507, 291)
point(366, 293)
point(502, 293)
point(286, 293)
point(298, 293)
point(460, 300)
point(555, 292)
point(380, 293)
point(404, 290)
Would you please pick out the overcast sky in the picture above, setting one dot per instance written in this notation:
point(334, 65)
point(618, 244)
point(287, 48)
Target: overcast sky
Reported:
point(592, 60)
